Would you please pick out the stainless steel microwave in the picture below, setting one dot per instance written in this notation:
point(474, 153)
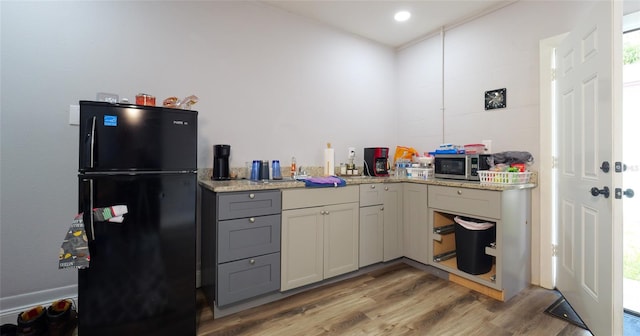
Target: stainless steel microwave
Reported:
point(460, 166)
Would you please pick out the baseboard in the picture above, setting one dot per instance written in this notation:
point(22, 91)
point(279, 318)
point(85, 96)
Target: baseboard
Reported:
point(11, 306)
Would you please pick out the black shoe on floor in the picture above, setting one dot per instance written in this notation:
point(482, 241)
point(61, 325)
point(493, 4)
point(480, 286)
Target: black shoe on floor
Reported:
point(32, 322)
point(62, 318)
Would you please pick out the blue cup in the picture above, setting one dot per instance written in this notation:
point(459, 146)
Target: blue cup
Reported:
point(255, 170)
point(275, 170)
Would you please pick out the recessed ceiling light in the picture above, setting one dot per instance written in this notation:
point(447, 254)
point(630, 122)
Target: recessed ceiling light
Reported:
point(402, 16)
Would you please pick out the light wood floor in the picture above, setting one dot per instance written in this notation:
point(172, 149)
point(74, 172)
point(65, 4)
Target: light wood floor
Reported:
point(396, 300)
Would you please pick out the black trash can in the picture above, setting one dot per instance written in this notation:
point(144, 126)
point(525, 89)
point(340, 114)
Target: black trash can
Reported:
point(470, 244)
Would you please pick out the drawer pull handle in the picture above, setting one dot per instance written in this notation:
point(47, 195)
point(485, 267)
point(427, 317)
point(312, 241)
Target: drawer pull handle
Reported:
point(252, 196)
point(252, 261)
point(252, 220)
point(386, 188)
point(373, 186)
point(459, 192)
point(382, 209)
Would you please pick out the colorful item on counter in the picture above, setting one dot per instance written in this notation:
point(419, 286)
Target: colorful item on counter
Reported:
point(325, 181)
point(74, 251)
point(405, 153)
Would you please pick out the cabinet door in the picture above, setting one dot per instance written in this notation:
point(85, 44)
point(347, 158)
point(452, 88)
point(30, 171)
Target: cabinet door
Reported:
point(371, 235)
point(340, 239)
point(416, 230)
point(302, 247)
point(393, 221)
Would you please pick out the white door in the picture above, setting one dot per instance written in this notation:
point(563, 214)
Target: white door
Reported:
point(589, 265)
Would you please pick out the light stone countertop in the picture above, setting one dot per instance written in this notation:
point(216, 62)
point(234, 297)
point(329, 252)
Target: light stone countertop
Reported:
point(248, 185)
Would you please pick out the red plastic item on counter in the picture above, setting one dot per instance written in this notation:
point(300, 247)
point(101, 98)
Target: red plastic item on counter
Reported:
point(521, 167)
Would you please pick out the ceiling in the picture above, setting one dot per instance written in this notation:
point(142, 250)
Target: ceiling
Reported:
point(373, 19)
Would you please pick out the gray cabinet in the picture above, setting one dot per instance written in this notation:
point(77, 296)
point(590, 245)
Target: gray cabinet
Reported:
point(240, 244)
point(371, 224)
point(510, 210)
point(381, 217)
point(371, 235)
point(416, 223)
point(319, 234)
point(393, 218)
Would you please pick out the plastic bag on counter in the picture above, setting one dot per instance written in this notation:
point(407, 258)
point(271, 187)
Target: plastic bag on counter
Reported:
point(405, 153)
point(509, 158)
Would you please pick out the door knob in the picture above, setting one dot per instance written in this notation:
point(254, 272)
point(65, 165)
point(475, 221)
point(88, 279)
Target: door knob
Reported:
point(619, 192)
point(628, 193)
point(605, 167)
point(604, 191)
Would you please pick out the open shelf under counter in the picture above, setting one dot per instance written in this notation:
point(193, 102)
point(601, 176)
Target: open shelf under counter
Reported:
point(509, 249)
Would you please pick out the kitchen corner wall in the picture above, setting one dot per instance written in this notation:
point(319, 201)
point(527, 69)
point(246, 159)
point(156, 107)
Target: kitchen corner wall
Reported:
point(497, 50)
point(271, 85)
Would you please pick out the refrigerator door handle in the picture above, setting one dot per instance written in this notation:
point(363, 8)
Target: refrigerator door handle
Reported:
point(93, 232)
point(87, 208)
point(92, 157)
point(89, 145)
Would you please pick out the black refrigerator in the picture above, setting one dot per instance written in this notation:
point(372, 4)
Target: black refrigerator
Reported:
point(141, 276)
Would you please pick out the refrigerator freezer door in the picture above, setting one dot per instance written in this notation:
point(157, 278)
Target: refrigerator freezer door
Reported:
point(141, 278)
point(117, 137)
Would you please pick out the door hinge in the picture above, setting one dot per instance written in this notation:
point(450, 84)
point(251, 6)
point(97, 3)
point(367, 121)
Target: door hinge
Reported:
point(554, 162)
point(553, 74)
point(554, 250)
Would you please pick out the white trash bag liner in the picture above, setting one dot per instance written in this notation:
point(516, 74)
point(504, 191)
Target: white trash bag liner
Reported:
point(469, 225)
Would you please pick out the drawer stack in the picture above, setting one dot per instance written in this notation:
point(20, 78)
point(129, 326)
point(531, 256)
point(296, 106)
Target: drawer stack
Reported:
point(241, 252)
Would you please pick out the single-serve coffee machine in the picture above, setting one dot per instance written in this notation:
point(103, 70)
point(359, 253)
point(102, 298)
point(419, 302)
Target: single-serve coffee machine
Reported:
point(376, 161)
point(221, 162)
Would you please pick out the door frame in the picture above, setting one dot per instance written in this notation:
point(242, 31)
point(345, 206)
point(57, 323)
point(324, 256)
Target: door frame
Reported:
point(547, 169)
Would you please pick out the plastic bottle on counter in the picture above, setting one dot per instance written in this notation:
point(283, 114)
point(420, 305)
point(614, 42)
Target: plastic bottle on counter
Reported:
point(293, 166)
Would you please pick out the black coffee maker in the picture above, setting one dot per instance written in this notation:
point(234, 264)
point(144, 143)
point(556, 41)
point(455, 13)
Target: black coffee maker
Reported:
point(221, 162)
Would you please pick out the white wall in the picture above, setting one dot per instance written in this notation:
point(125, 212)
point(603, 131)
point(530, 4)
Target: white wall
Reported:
point(498, 50)
point(271, 85)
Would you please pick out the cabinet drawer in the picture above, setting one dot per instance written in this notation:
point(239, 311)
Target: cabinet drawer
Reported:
point(247, 204)
point(306, 198)
point(246, 278)
point(371, 194)
point(473, 202)
point(246, 237)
